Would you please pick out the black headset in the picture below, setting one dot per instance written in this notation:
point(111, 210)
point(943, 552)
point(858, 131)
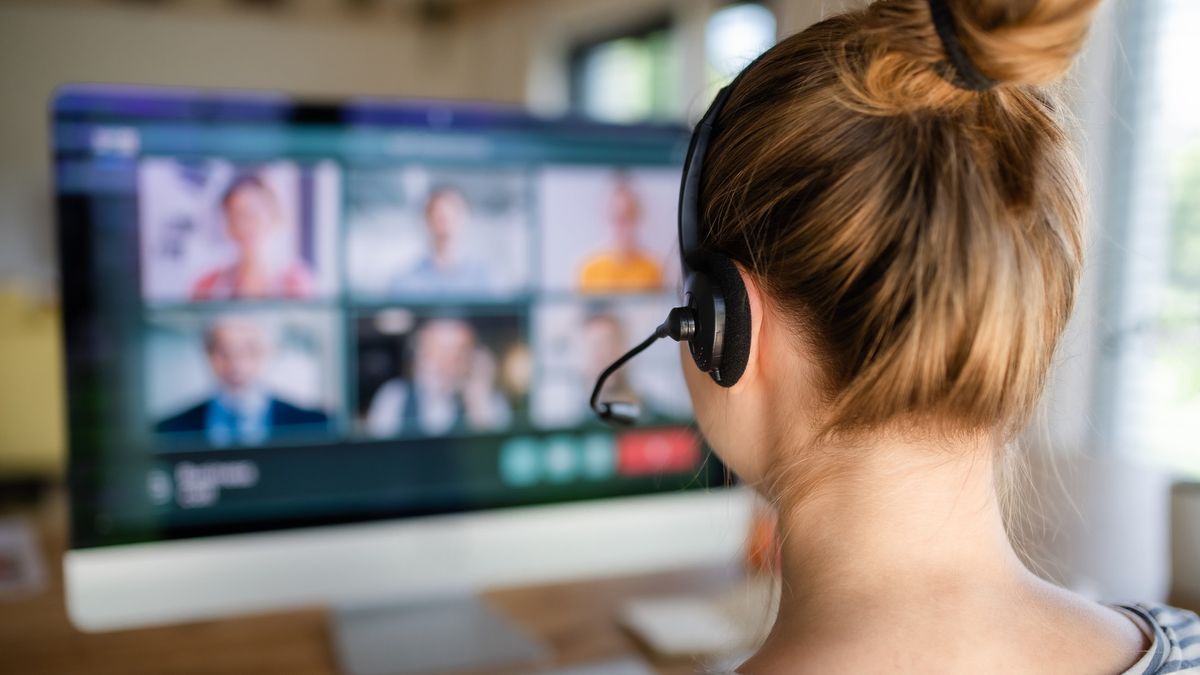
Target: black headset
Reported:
point(715, 317)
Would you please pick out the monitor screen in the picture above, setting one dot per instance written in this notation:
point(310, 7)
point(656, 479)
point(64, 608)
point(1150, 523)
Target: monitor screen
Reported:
point(283, 314)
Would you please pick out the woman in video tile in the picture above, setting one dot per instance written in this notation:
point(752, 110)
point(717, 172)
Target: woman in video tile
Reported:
point(265, 266)
point(604, 341)
point(624, 267)
point(576, 341)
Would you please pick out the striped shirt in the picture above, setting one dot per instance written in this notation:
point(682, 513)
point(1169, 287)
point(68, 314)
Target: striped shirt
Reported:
point(1174, 635)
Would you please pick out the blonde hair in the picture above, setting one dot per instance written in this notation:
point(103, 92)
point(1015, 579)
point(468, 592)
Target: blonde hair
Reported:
point(924, 238)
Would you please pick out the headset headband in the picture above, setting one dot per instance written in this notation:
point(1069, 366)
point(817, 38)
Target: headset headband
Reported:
point(693, 170)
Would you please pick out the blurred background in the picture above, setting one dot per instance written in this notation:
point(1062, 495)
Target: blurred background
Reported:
point(1122, 413)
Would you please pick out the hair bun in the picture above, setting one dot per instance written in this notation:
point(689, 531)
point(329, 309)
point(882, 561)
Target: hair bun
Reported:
point(959, 68)
point(908, 60)
point(1022, 42)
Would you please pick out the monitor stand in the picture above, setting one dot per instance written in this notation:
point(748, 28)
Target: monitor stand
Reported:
point(454, 633)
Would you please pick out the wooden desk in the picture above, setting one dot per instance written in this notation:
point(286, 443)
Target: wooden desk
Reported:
point(577, 620)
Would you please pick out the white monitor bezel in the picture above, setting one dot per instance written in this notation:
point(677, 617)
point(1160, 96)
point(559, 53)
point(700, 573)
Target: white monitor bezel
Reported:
point(175, 581)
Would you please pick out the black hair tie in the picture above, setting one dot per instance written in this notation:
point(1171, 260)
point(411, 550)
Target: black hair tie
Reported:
point(965, 75)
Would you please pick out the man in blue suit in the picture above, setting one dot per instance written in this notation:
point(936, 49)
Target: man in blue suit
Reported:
point(242, 411)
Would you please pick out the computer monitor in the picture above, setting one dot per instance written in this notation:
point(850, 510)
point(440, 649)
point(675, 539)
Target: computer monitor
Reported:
point(324, 353)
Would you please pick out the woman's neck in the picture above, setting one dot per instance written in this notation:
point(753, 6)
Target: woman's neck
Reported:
point(881, 528)
point(897, 551)
point(894, 510)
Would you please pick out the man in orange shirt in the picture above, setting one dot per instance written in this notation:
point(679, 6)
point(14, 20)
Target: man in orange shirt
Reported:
point(624, 268)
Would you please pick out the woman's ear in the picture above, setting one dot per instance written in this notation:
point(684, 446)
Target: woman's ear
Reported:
point(732, 418)
point(754, 299)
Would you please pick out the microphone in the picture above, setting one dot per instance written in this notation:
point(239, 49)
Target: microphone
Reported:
point(680, 326)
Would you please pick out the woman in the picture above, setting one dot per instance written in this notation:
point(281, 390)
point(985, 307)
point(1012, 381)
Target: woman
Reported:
point(266, 265)
point(625, 267)
point(900, 194)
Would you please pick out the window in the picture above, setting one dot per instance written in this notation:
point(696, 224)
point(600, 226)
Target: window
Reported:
point(633, 77)
point(735, 35)
point(644, 75)
point(1149, 391)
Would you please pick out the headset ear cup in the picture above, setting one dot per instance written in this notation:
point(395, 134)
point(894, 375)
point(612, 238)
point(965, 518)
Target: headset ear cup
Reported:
point(736, 350)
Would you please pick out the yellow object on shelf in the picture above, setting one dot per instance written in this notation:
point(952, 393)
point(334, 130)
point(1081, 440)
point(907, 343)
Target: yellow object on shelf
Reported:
point(32, 439)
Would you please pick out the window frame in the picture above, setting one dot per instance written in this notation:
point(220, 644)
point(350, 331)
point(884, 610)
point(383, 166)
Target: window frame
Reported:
point(1124, 322)
point(686, 19)
point(577, 53)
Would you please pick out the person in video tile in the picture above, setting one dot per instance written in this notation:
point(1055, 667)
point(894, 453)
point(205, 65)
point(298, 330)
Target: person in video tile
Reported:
point(242, 410)
point(625, 267)
point(443, 270)
point(453, 388)
point(604, 341)
point(265, 266)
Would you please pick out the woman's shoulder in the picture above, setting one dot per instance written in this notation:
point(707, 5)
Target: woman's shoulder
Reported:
point(1175, 639)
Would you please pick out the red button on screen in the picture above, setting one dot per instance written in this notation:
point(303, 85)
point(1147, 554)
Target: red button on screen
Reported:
point(654, 452)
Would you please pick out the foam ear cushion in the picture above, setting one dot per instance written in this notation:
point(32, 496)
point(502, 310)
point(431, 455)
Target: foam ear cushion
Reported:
point(736, 349)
